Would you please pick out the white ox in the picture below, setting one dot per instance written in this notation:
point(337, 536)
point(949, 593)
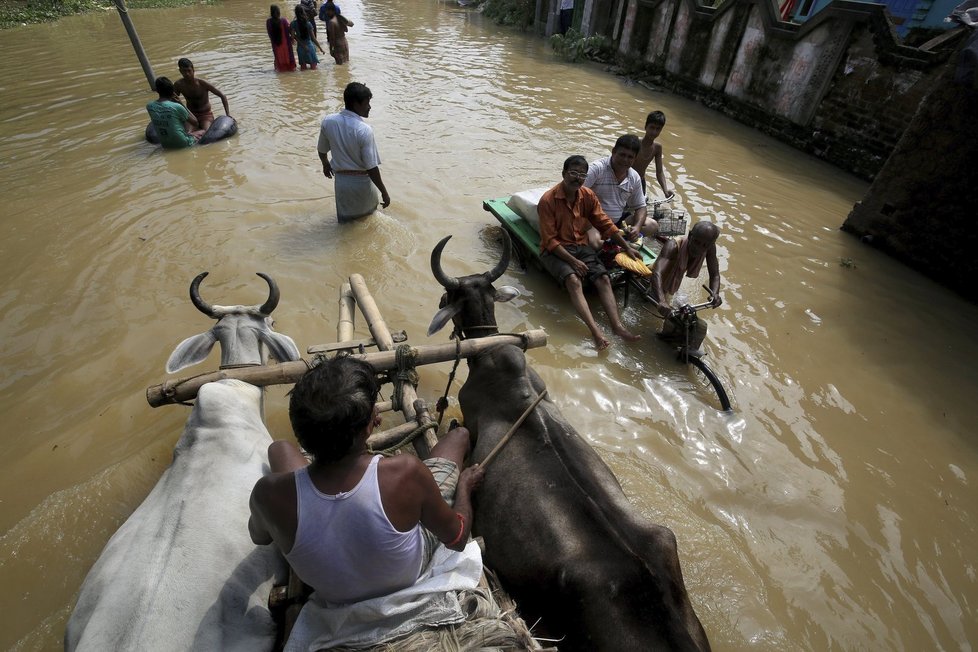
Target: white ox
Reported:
point(182, 573)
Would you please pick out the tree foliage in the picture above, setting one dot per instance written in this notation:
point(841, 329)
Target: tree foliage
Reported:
point(573, 46)
point(518, 13)
point(23, 12)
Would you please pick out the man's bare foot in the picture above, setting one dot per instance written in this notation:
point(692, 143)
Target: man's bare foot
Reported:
point(601, 343)
point(627, 335)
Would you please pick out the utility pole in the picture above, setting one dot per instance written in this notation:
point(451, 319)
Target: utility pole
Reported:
point(120, 5)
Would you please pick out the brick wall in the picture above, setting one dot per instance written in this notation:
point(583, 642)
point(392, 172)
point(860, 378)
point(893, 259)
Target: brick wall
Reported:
point(840, 86)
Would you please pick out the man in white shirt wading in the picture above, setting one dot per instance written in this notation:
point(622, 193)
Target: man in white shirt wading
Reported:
point(356, 162)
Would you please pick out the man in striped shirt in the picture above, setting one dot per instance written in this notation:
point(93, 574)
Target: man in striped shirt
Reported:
point(619, 189)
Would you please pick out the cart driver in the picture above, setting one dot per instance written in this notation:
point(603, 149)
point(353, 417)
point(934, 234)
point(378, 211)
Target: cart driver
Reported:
point(679, 258)
point(386, 515)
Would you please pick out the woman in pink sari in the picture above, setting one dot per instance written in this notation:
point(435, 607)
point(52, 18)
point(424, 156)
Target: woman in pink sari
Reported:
point(281, 37)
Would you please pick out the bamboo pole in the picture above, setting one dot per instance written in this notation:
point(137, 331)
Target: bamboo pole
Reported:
point(283, 373)
point(378, 328)
point(342, 345)
point(344, 325)
point(378, 441)
point(123, 10)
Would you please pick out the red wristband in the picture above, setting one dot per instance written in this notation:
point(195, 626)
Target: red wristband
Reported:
point(461, 530)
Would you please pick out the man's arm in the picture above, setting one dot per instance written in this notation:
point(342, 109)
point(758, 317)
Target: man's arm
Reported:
point(603, 224)
point(579, 266)
point(451, 526)
point(660, 173)
point(256, 523)
point(323, 148)
point(713, 266)
point(224, 100)
point(641, 215)
point(547, 223)
point(666, 258)
point(374, 174)
point(190, 117)
point(327, 168)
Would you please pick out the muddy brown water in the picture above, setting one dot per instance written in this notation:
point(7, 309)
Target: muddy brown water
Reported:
point(832, 510)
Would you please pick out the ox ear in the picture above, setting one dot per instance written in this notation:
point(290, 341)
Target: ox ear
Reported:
point(281, 347)
point(191, 351)
point(441, 318)
point(506, 293)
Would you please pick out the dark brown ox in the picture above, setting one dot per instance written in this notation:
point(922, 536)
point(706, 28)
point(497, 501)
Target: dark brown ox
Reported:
point(558, 529)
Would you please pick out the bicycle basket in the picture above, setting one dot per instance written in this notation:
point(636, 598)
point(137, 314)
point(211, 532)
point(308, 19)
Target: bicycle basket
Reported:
point(672, 222)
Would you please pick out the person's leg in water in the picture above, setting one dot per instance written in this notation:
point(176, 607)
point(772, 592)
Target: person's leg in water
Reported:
point(607, 296)
point(575, 288)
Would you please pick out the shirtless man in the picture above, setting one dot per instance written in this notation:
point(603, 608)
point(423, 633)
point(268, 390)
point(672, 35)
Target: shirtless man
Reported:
point(652, 151)
point(352, 524)
point(681, 258)
point(195, 92)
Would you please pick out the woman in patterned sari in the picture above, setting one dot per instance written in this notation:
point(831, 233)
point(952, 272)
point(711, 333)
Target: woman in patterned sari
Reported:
point(305, 40)
point(281, 36)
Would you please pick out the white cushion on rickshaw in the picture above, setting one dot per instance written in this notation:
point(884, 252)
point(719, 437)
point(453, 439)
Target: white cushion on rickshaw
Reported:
point(525, 203)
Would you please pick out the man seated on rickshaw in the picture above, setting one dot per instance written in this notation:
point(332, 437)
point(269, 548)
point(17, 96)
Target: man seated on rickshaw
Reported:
point(566, 213)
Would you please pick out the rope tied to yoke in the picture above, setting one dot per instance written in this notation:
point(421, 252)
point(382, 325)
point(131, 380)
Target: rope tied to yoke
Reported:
point(407, 439)
point(405, 357)
point(458, 336)
point(442, 403)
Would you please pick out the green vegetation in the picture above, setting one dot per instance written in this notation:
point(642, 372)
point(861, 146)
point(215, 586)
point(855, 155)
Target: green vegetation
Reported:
point(518, 13)
point(19, 12)
point(574, 47)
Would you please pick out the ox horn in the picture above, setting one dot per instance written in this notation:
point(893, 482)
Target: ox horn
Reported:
point(447, 282)
point(273, 295)
point(202, 305)
point(503, 263)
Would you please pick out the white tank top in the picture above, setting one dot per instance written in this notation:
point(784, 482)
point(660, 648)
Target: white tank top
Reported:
point(345, 546)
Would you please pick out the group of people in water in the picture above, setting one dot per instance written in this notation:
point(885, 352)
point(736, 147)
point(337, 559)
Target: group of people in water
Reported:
point(604, 203)
point(178, 126)
point(302, 30)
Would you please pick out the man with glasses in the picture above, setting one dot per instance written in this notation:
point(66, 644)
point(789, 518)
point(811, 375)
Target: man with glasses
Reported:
point(619, 188)
point(566, 213)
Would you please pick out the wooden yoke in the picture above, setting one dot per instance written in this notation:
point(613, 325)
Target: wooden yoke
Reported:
point(283, 373)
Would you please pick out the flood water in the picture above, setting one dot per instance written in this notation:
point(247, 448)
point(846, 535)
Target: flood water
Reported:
point(832, 510)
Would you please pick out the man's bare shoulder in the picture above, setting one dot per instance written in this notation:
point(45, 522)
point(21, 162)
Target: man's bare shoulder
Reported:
point(273, 484)
point(669, 248)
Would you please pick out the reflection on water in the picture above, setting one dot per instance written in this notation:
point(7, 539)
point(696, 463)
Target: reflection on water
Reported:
point(832, 509)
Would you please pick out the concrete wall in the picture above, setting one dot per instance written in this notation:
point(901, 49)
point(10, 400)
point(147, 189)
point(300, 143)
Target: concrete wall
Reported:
point(839, 86)
point(921, 208)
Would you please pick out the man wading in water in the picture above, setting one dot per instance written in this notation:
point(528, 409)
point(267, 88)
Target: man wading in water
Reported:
point(356, 162)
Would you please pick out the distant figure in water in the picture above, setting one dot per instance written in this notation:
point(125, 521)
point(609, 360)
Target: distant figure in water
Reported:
point(305, 40)
point(196, 91)
point(176, 126)
point(336, 26)
point(281, 36)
